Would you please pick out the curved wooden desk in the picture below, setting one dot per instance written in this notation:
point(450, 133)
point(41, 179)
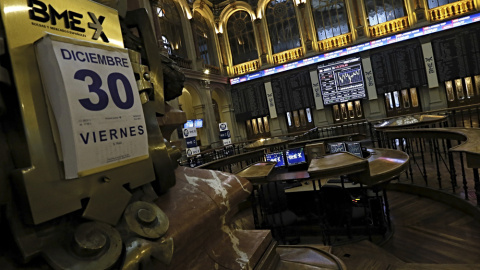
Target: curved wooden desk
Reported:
point(384, 164)
point(379, 168)
point(257, 172)
point(469, 136)
point(410, 121)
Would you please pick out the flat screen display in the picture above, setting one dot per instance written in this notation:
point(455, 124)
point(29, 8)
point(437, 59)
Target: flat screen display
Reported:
point(341, 81)
point(276, 157)
point(295, 156)
point(354, 148)
point(337, 147)
point(198, 123)
point(188, 124)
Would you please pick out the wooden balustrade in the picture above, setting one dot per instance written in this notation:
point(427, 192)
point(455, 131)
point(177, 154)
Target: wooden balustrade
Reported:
point(246, 67)
point(213, 69)
point(389, 27)
point(335, 42)
point(181, 62)
point(287, 56)
point(450, 10)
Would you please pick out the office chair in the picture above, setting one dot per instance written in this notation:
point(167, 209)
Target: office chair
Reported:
point(339, 211)
point(275, 213)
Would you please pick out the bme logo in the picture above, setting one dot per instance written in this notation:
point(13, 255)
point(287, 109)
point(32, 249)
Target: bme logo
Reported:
point(40, 12)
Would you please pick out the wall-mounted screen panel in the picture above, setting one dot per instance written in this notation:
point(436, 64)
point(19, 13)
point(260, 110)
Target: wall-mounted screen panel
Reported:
point(249, 100)
point(399, 68)
point(458, 55)
point(292, 91)
point(341, 81)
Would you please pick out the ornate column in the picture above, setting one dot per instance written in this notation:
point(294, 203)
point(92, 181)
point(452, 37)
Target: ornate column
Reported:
point(262, 41)
point(209, 133)
point(305, 26)
point(198, 59)
point(223, 52)
point(276, 126)
point(358, 20)
point(228, 116)
point(420, 9)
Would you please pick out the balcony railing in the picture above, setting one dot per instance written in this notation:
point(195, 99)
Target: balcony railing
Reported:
point(246, 67)
point(450, 10)
point(181, 62)
point(335, 42)
point(287, 56)
point(432, 164)
point(213, 69)
point(388, 27)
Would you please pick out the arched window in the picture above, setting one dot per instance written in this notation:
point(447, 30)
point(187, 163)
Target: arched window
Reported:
point(166, 44)
point(330, 18)
point(202, 34)
point(380, 11)
point(282, 25)
point(171, 27)
point(437, 3)
point(241, 38)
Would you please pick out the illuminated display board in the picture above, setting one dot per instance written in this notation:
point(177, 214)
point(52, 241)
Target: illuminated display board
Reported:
point(435, 28)
point(341, 81)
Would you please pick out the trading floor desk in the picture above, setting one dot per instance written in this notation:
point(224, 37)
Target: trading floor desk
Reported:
point(270, 197)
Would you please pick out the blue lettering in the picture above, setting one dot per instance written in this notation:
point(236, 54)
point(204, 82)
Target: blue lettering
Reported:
point(125, 62)
point(85, 140)
point(110, 61)
point(103, 135)
point(123, 132)
point(140, 130)
point(132, 131)
point(118, 61)
point(78, 57)
point(68, 53)
point(93, 58)
point(113, 133)
point(101, 59)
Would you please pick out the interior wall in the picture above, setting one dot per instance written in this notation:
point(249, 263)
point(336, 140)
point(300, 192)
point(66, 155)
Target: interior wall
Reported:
point(185, 102)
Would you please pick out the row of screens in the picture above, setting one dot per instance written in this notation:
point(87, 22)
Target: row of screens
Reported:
point(197, 123)
point(409, 35)
point(351, 147)
point(296, 156)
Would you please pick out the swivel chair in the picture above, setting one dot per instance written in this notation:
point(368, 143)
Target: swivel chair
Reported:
point(275, 213)
point(339, 211)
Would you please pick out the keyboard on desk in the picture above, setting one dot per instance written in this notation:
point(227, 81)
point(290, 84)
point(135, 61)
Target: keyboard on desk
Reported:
point(292, 185)
point(337, 181)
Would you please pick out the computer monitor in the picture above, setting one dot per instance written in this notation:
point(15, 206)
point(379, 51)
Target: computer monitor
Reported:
point(337, 147)
point(295, 156)
point(276, 157)
point(354, 148)
point(198, 123)
point(314, 150)
point(188, 124)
